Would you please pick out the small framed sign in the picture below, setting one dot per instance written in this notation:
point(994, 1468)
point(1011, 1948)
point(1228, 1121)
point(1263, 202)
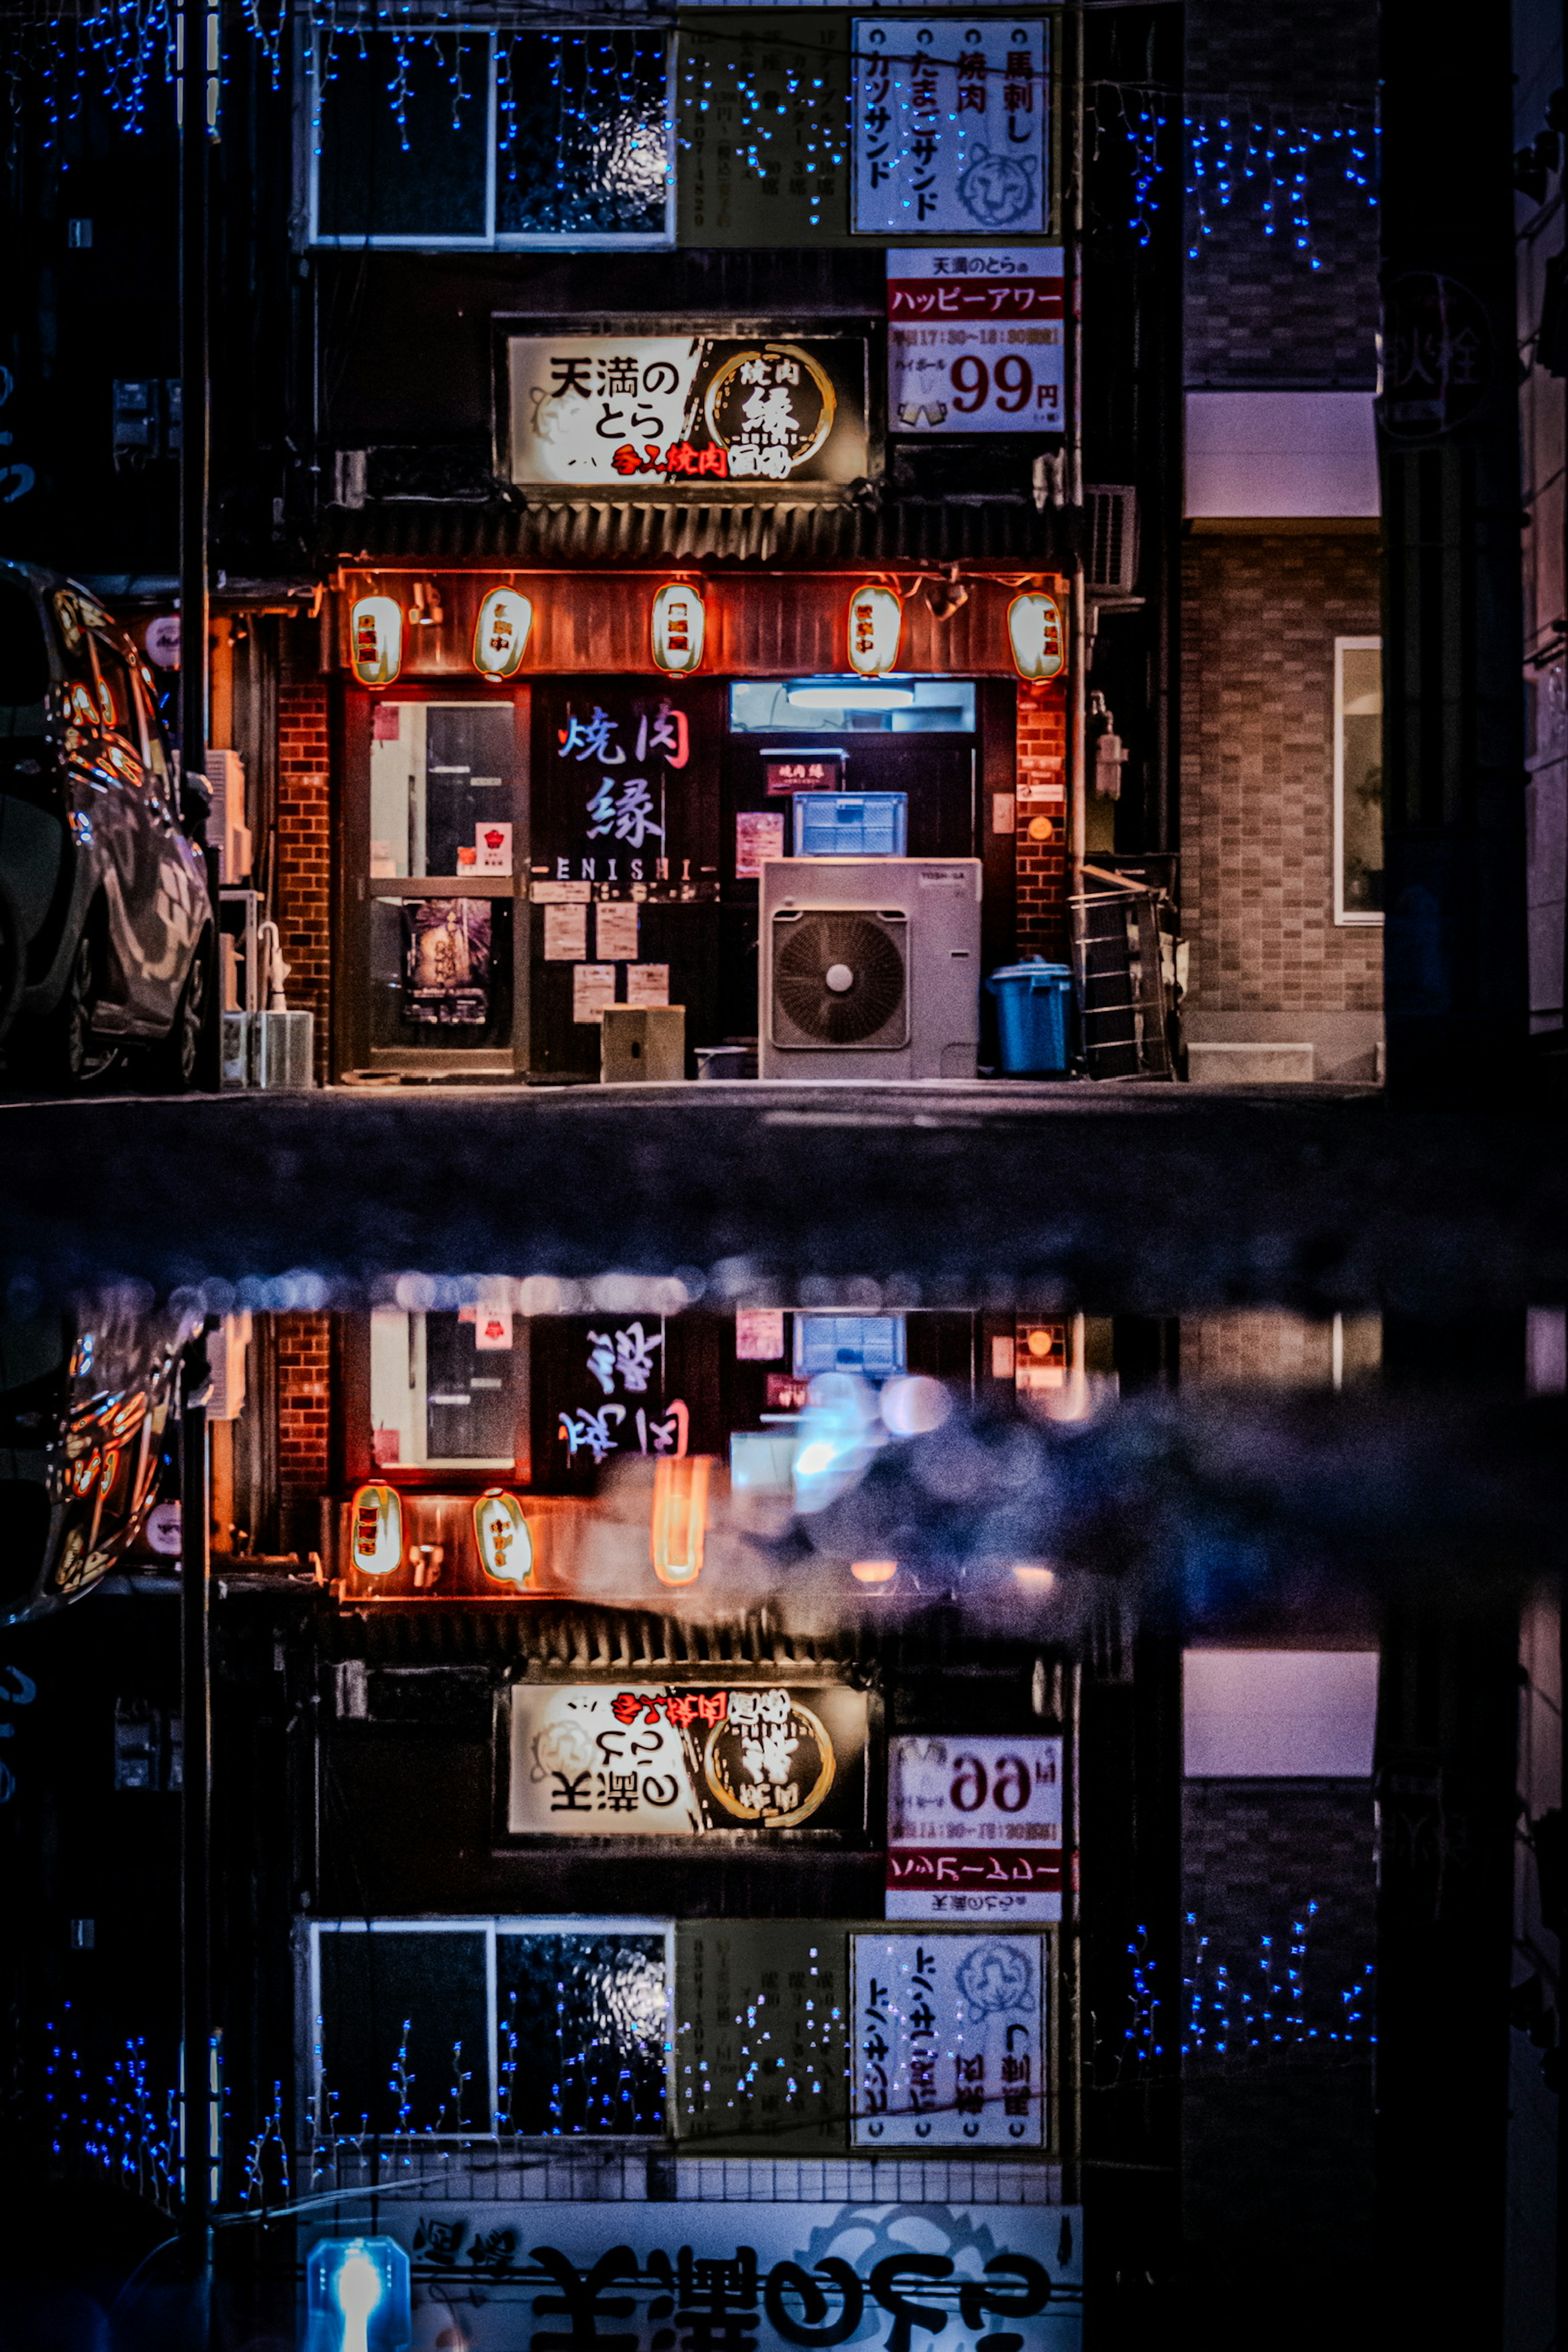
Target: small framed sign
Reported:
point(803, 772)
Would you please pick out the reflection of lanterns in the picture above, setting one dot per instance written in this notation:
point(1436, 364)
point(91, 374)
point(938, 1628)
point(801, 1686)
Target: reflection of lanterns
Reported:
point(679, 1518)
point(876, 621)
point(1035, 632)
point(375, 1530)
point(678, 623)
point(501, 635)
point(375, 640)
point(501, 1530)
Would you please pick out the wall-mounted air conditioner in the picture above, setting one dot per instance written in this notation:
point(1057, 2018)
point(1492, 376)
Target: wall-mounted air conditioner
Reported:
point(870, 968)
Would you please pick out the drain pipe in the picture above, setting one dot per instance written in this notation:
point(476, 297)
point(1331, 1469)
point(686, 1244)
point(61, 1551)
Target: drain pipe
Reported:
point(1078, 681)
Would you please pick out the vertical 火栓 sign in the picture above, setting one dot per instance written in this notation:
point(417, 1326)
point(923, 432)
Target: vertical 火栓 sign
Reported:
point(975, 1828)
point(950, 2041)
point(951, 126)
point(974, 340)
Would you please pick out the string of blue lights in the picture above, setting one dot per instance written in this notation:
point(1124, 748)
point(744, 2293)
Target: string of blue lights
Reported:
point(1235, 157)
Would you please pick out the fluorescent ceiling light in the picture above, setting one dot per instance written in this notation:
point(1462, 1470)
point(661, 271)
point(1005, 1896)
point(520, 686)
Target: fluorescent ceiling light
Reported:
point(852, 696)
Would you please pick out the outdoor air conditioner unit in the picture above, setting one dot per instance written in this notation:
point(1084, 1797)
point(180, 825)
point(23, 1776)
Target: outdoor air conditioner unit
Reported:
point(870, 968)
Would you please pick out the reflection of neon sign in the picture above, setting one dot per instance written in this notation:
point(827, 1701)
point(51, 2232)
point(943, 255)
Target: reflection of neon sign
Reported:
point(375, 1530)
point(501, 1533)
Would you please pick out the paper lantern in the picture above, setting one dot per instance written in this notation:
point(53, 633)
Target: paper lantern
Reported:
point(375, 640)
point(1035, 633)
point(873, 1571)
point(375, 1530)
point(501, 635)
point(876, 624)
point(501, 1530)
point(679, 1519)
point(679, 626)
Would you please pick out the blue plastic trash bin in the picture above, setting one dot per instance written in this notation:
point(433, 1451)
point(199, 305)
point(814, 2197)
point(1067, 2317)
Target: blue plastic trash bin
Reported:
point(1033, 1017)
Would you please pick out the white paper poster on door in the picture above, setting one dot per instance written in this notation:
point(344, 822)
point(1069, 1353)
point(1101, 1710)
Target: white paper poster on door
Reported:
point(951, 126)
point(950, 2041)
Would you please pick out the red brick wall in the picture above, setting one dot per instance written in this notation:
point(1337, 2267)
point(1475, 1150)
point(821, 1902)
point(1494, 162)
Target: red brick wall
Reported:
point(305, 853)
point(1042, 864)
point(304, 1426)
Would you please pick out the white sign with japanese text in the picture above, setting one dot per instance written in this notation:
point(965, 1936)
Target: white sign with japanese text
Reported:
point(949, 126)
point(722, 2276)
point(651, 411)
point(638, 1759)
point(950, 2041)
point(975, 1827)
point(974, 340)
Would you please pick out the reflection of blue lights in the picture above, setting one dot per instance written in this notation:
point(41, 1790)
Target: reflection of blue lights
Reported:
point(357, 2296)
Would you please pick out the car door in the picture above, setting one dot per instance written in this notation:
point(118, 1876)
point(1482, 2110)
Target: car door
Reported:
point(180, 909)
point(150, 964)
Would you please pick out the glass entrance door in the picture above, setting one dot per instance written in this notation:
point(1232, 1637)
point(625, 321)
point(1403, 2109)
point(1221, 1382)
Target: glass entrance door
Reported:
point(437, 841)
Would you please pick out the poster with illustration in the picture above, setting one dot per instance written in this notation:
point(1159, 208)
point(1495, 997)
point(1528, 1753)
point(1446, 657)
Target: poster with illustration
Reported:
point(448, 961)
point(951, 122)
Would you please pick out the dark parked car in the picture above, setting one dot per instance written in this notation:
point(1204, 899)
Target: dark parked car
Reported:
point(106, 937)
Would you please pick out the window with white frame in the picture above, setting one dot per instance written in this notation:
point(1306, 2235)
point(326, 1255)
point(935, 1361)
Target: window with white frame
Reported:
point(425, 134)
point(1358, 780)
point(538, 2028)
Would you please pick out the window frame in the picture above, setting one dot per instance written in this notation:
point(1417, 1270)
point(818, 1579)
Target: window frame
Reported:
point(313, 2071)
point(1346, 918)
point(506, 241)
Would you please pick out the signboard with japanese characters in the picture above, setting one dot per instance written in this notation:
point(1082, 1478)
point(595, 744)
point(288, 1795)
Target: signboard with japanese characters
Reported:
point(733, 2276)
point(619, 808)
point(975, 1828)
point(950, 2041)
point(704, 413)
point(949, 126)
point(644, 1759)
point(974, 340)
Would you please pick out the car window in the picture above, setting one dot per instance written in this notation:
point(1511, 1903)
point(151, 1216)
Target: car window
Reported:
point(155, 750)
point(115, 694)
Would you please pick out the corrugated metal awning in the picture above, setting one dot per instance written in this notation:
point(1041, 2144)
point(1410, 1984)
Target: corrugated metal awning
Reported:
point(630, 530)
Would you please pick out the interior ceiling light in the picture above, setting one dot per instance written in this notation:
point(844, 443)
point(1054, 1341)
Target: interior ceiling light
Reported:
point(856, 697)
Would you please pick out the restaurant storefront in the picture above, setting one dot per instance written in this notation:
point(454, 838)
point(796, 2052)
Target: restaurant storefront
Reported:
point(557, 790)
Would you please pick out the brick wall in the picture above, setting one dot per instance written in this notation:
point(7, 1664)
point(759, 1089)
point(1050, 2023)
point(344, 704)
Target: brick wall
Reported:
point(1259, 616)
point(1255, 311)
point(304, 851)
point(304, 1426)
point(1042, 864)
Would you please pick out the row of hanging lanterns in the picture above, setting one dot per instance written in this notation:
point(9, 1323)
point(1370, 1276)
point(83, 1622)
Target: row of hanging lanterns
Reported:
point(678, 628)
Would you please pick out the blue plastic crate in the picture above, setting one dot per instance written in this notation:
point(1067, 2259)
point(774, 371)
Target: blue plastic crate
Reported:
point(874, 1345)
point(851, 824)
